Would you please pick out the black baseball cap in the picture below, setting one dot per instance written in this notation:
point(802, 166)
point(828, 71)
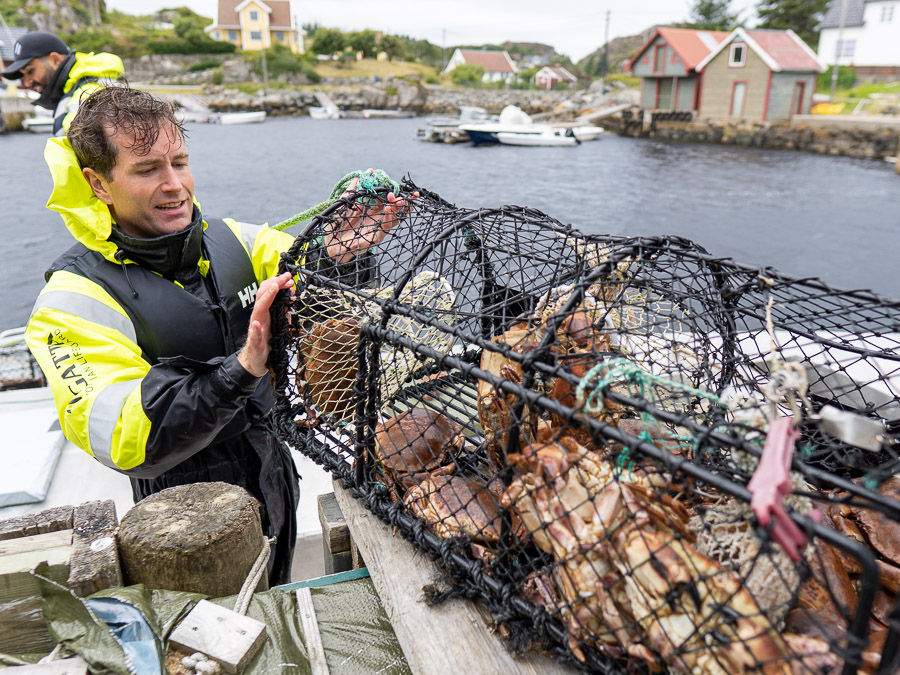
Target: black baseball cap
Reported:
point(31, 46)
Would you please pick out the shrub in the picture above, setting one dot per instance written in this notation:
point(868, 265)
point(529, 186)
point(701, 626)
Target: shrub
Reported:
point(218, 76)
point(204, 64)
point(467, 75)
point(846, 78)
point(432, 79)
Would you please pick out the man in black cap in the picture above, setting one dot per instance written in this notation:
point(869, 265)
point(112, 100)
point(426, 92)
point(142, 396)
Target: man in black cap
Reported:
point(62, 77)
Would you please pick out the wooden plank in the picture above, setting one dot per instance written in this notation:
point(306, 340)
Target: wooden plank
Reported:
point(314, 648)
point(450, 638)
point(223, 635)
point(334, 528)
point(49, 520)
point(94, 564)
point(36, 542)
point(73, 666)
point(336, 563)
point(25, 561)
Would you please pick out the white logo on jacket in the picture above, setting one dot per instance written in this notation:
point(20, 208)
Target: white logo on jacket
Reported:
point(248, 295)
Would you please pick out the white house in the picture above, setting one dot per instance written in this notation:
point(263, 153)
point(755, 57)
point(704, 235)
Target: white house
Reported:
point(498, 66)
point(870, 41)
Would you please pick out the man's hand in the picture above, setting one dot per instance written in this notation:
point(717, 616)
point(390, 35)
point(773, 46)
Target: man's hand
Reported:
point(363, 227)
point(255, 352)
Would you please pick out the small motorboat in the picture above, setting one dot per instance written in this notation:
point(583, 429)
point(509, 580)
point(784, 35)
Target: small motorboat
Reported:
point(548, 137)
point(38, 125)
point(240, 117)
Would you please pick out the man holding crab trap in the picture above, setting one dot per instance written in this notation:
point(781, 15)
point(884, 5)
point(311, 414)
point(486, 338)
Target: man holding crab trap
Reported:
point(153, 329)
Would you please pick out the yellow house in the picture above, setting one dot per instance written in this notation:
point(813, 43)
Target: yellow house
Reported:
point(255, 25)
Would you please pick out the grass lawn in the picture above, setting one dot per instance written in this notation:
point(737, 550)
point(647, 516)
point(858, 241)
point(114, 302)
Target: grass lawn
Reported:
point(371, 68)
point(885, 94)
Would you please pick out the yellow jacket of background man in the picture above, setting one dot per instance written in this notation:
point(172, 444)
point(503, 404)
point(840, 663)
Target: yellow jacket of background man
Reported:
point(78, 77)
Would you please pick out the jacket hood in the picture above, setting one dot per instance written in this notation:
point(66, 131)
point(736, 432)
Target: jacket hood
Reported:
point(102, 65)
point(85, 215)
point(75, 68)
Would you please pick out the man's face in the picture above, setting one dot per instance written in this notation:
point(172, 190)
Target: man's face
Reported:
point(39, 71)
point(149, 194)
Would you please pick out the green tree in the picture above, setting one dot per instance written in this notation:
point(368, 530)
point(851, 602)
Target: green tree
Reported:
point(190, 30)
point(801, 16)
point(327, 41)
point(364, 41)
point(711, 15)
point(394, 47)
point(467, 75)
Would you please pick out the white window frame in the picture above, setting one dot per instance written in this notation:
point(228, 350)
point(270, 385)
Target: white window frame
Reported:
point(256, 35)
point(280, 36)
point(887, 13)
point(734, 63)
point(232, 35)
point(254, 15)
point(845, 49)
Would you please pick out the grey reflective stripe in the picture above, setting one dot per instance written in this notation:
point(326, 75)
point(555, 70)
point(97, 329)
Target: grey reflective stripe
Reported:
point(87, 308)
point(248, 235)
point(105, 415)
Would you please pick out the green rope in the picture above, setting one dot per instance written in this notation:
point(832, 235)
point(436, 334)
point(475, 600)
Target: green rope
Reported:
point(619, 369)
point(368, 182)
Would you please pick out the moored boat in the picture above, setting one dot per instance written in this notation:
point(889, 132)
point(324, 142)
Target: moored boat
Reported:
point(253, 117)
point(549, 138)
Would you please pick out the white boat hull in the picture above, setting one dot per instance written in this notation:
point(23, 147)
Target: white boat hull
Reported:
point(547, 139)
point(241, 117)
point(38, 125)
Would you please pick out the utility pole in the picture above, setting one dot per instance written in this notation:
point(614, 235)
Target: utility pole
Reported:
point(838, 48)
point(265, 72)
point(605, 68)
point(443, 49)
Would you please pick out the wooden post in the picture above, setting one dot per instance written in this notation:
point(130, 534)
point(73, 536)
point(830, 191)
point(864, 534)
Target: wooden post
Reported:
point(94, 564)
point(335, 535)
point(202, 538)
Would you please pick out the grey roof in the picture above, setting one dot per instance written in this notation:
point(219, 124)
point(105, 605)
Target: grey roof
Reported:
point(9, 41)
point(854, 16)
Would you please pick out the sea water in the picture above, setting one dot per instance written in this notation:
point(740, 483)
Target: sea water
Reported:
point(803, 214)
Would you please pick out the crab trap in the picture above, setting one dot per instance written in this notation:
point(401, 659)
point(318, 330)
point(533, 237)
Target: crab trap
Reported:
point(637, 455)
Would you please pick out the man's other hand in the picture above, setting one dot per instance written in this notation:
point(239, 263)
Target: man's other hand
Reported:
point(255, 352)
point(363, 227)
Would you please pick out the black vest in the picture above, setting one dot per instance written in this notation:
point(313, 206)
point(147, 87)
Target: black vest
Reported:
point(172, 324)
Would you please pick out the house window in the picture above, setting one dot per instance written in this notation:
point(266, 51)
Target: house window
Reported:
point(256, 35)
point(232, 36)
point(887, 13)
point(845, 49)
point(738, 56)
point(279, 35)
point(254, 15)
point(215, 35)
point(659, 59)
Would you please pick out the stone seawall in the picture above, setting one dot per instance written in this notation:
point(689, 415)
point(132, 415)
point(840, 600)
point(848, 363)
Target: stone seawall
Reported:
point(864, 142)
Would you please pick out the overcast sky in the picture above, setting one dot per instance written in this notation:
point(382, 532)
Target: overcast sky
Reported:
point(573, 27)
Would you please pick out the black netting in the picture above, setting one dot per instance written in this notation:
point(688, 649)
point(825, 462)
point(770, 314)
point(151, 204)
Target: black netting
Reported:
point(18, 369)
point(570, 424)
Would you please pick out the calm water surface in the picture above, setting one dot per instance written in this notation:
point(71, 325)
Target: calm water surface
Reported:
point(806, 215)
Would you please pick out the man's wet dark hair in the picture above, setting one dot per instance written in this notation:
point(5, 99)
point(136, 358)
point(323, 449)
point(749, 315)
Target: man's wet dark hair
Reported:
point(119, 110)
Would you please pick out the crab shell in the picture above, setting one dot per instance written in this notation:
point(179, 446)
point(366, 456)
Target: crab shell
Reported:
point(417, 440)
point(329, 366)
point(454, 506)
point(494, 406)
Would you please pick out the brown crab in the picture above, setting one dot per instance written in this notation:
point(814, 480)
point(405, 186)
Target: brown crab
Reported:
point(454, 506)
point(413, 444)
point(328, 368)
point(627, 576)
